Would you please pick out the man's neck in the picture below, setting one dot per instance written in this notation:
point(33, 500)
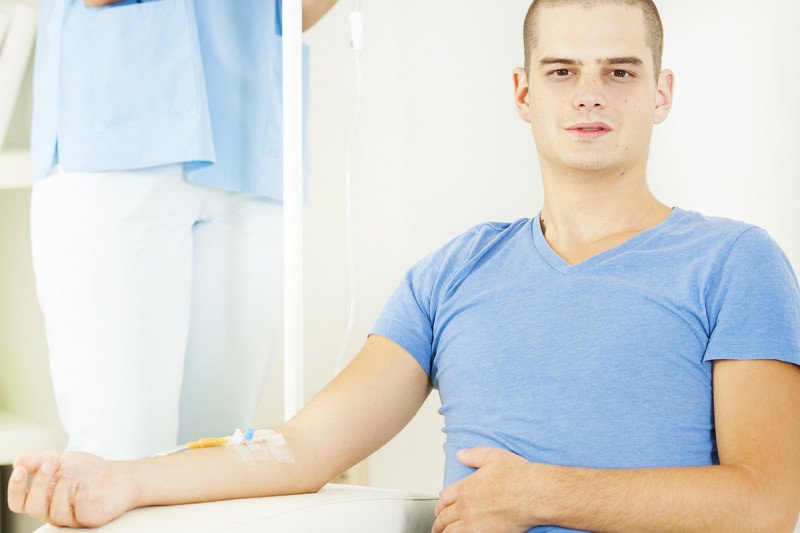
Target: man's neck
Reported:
point(587, 213)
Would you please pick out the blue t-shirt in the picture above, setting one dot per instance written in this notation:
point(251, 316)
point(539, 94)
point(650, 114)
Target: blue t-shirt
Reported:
point(603, 364)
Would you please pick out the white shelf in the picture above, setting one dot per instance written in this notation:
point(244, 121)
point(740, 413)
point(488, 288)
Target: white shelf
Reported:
point(19, 435)
point(15, 169)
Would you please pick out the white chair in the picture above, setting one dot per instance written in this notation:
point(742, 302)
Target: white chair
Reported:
point(334, 509)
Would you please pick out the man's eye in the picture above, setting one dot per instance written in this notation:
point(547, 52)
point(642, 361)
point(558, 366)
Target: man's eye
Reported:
point(561, 72)
point(618, 73)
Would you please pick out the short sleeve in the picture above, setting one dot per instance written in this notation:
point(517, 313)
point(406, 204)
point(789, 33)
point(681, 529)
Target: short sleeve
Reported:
point(753, 303)
point(406, 319)
point(409, 314)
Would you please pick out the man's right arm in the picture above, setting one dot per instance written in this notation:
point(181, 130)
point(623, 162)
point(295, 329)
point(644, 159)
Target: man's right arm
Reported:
point(364, 407)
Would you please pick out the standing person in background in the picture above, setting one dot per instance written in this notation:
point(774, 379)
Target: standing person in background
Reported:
point(156, 214)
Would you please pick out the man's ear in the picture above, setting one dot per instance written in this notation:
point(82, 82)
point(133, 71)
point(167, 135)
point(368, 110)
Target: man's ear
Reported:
point(521, 94)
point(665, 92)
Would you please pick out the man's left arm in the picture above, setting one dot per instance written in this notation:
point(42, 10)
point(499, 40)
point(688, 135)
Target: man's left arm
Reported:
point(756, 486)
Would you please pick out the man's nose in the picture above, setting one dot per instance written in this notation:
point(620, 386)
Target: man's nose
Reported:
point(589, 94)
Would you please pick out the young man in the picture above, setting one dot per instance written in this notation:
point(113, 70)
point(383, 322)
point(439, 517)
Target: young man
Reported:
point(574, 352)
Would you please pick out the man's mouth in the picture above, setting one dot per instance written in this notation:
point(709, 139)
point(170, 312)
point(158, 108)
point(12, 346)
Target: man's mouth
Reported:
point(589, 130)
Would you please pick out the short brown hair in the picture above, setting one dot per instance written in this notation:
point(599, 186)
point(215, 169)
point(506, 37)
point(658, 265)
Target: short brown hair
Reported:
point(655, 31)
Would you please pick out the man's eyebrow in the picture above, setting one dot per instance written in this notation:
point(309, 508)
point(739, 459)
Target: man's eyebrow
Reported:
point(629, 60)
point(559, 61)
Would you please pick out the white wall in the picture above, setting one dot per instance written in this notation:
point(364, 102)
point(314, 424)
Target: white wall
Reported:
point(25, 386)
point(439, 148)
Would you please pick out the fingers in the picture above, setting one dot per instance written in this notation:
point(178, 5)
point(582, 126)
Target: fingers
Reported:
point(61, 505)
point(481, 456)
point(33, 500)
point(32, 461)
point(18, 489)
point(37, 504)
point(49, 498)
point(476, 457)
point(448, 496)
point(446, 520)
point(446, 513)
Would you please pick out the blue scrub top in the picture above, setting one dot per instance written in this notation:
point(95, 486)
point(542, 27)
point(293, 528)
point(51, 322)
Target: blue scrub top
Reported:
point(142, 84)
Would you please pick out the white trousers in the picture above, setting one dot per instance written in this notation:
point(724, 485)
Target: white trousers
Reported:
point(161, 302)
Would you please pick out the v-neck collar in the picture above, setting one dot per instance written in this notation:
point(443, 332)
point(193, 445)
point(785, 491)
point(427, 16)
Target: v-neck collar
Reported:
point(560, 265)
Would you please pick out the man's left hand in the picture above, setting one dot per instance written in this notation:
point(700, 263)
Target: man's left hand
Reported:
point(495, 498)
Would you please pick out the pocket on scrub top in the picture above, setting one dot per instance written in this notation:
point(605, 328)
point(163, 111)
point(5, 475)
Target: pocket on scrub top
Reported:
point(142, 64)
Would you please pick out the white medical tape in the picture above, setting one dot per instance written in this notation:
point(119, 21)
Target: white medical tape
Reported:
point(266, 445)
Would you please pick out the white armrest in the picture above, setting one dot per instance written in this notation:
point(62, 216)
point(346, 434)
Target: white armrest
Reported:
point(334, 509)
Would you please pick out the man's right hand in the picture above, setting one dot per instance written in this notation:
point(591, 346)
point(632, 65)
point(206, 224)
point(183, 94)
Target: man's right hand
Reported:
point(71, 489)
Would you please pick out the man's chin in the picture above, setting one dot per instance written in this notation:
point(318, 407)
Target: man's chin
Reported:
point(590, 165)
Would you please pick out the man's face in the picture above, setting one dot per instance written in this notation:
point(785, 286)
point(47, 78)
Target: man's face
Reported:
point(591, 95)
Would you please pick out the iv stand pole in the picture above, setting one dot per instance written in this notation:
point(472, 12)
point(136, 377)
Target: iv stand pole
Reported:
point(292, 14)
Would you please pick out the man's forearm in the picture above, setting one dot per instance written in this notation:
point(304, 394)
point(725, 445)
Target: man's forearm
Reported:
point(218, 474)
point(713, 498)
point(358, 412)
